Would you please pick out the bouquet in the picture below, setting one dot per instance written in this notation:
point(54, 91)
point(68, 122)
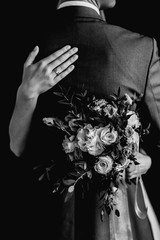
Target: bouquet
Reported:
point(101, 137)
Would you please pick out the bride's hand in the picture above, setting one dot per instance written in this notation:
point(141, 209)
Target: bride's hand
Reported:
point(41, 76)
point(144, 164)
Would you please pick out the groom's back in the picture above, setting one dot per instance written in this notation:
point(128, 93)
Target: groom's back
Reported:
point(109, 56)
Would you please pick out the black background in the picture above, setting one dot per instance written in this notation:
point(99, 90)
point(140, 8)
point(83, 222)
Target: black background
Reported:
point(20, 23)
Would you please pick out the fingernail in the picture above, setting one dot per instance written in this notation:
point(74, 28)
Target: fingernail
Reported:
point(72, 67)
point(68, 47)
point(35, 48)
point(75, 49)
point(75, 56)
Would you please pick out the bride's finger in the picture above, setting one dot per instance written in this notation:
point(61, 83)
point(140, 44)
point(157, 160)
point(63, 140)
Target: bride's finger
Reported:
point(57, 62)
point(131, 175)
point(59, 77)
point(66, 64)
point(56, 54)
point(131, 168)
point(31, 57)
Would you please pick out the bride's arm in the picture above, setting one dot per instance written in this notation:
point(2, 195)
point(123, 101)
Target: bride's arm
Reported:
point(37, 78)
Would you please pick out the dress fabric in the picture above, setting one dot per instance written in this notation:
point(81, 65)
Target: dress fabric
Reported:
point(109, 57)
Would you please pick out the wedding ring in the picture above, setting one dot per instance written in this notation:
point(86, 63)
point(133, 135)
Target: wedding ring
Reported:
point(56, 72)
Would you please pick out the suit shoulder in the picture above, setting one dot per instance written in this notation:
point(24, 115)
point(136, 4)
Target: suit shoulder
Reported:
point(126, 37)
point(126, 33)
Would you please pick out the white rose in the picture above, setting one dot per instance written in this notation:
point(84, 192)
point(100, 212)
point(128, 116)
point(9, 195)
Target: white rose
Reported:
point(133, 120)
point(104, 165)
point(108, 135)
point(84, 135)
point(129, 131)
point(134, 138)
point(94, 145)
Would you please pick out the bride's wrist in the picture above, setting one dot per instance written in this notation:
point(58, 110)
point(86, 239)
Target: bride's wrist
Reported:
point(27, 94)
point(26, 98)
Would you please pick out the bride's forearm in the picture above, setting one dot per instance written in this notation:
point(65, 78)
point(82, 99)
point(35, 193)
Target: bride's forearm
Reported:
point(20, 121)
point(37, 78)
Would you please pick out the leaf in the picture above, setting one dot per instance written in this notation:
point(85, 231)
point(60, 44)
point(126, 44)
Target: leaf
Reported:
point(64, 102)
point(68, 90)
point(48, 176)
point(71, 98)
point(36, 167)
point(85, 93)
point(41, 177)
point(89, 174)
point(71, 157)
point(73, 174)
point(71, 189)
point(58, 94)
point(108, 209)
point(68, 181)
point(56, 189)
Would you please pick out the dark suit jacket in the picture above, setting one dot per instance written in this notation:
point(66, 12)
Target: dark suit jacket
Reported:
point(109, 57)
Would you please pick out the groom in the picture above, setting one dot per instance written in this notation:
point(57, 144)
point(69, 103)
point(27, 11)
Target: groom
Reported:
point(111, 57)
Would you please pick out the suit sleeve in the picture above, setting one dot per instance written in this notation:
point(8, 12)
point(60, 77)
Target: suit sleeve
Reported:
point(152, 101)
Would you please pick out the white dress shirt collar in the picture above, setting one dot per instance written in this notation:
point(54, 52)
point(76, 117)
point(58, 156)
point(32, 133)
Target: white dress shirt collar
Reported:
point(78, 3)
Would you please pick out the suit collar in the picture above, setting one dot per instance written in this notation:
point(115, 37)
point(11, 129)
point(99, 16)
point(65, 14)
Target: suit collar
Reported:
point(74, 12)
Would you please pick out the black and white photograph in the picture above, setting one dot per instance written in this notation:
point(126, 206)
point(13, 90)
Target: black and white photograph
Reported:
point(82, 132)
